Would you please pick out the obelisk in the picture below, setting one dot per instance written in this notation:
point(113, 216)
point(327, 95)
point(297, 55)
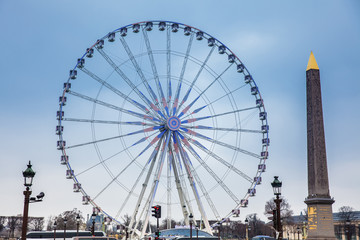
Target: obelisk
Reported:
point(319, 202)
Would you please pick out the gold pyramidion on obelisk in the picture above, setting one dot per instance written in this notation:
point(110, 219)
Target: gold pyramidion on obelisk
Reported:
point(312, 64)
point(319, 202)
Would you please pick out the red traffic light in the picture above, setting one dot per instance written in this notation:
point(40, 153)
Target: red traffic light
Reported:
point(156, 211)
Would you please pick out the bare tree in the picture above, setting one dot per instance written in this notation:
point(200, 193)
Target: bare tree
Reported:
point(238, 230)
point(14, 223)
point(126, 219)
point(36, 223)
point(50, 223)
point(2, 222)
point(257, 226)
point(347, 214)
point(163, 224)
point(285, 211)
point(70, 217)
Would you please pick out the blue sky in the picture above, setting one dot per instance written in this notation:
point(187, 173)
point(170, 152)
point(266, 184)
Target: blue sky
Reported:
point(41, 41)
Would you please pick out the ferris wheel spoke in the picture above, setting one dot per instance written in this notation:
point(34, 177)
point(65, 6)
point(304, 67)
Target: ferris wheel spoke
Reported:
point(116, 91)
point(222, 129)
point(106, 159)
point(141, 195)
point(195, 134)
point(190, 120)
point(184, 111)
point(208, 169)
point(186, 162)
point(142, 76)
point(225, 95)
point(108, 122)
point(178, 89)
point(108, 105)
point(150, 129)
point(219, 159)
point(128, 81)
point(157, 138)
point(155, 73)
point(168, 65)
point(128, 165)
point(107, 169)
point(193, 83)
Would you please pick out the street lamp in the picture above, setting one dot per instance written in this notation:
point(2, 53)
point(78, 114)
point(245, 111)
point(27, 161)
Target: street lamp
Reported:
point(77, 224)
point(65, 221)
point(348, 228)
point(276, 185)
point(93, 217)
point(28, 175)
point(191, 217)
point(54, 227)
point(303, 230)
point(246, 228)
point(298, 232)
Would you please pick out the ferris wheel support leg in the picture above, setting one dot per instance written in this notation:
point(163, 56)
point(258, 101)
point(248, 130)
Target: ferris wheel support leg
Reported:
point(156, 181)
point(193, 186)
point(152, 159)
point(168, 220)
point(182, 183)
point(179, 188)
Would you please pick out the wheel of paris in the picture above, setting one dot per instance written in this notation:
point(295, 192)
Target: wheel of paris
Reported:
point(162, 113)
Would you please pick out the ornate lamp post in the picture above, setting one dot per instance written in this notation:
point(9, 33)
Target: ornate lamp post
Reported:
point(54, 227)
point(77, 224)
point(191, 218)
point(247, 228)
point(65, 221)
point(28, 175)
point(93, 217)
point(276, 184)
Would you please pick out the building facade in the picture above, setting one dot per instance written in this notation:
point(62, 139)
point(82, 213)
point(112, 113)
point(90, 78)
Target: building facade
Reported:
point(297, 227)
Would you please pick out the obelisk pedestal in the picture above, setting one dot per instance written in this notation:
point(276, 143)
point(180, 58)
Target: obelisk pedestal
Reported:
point(319, 202)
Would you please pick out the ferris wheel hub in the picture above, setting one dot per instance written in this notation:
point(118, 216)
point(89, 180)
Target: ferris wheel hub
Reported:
point(173, 123)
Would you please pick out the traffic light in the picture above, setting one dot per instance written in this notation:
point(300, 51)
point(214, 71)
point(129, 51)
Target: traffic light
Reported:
point(156, 211)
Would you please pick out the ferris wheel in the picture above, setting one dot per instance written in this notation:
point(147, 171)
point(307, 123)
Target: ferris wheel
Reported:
point(162, 113)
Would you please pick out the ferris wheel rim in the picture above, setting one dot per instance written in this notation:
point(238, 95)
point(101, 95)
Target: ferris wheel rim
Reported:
point(168, 22)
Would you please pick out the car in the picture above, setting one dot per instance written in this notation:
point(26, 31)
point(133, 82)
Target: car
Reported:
point(263, 237)
point(93, 238)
